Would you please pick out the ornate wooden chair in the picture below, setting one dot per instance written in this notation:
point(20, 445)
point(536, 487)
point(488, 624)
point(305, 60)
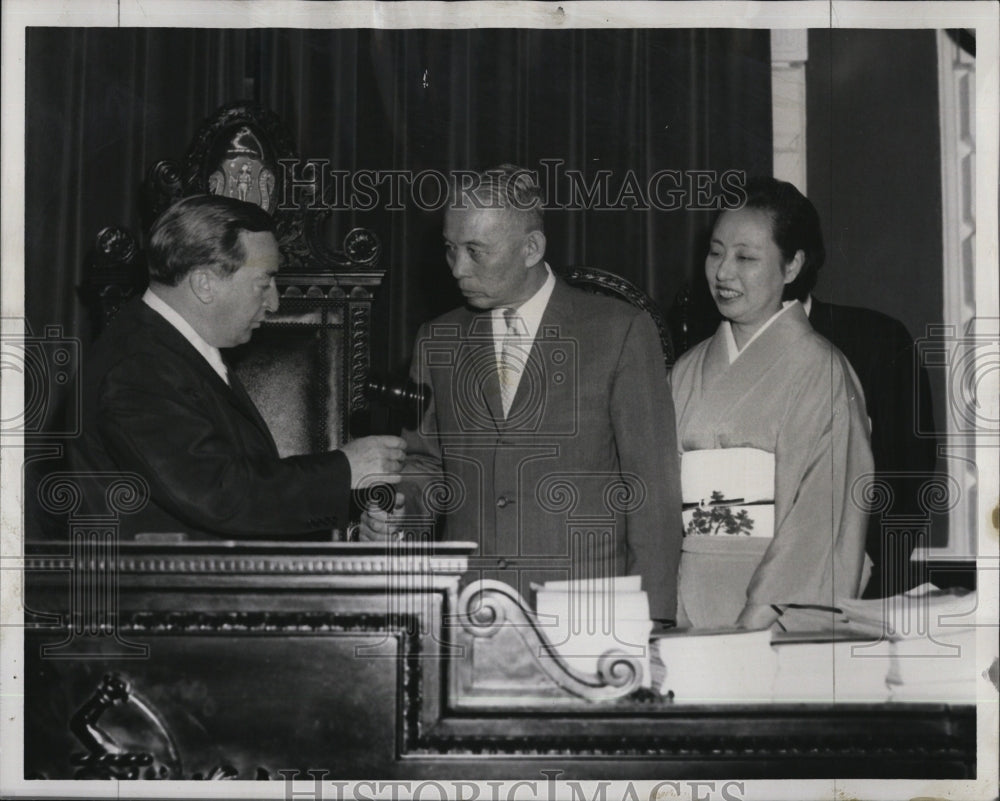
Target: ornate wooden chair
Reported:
point(593, 279)
point(307, 366)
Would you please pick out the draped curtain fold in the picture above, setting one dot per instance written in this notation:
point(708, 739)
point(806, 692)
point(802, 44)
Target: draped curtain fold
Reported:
point(102, 105)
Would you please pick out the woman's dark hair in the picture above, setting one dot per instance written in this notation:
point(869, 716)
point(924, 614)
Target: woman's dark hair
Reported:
point(794, 226)
point(202, 231)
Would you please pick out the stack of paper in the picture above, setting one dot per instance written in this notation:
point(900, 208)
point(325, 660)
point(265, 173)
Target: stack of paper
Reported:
point(825, 669)
point(927, 640)
point(586, 619)
point(922, 610)
point(943, 674)
point(717, 666)
point(918, 647)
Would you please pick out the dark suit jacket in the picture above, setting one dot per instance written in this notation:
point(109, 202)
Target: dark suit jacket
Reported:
point(585, 463)
point(153, 405)
point(898, 399)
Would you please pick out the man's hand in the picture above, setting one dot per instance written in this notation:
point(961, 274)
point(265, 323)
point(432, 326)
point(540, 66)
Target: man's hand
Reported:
point(378, 524)
point(375, 460)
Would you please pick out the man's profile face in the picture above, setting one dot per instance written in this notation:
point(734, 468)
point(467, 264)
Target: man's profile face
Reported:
point(487, 252)
point(245, 296)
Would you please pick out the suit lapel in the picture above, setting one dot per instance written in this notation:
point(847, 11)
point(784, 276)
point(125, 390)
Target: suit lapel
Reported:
point(557, 320)
point(238, 395)
point(233, 393)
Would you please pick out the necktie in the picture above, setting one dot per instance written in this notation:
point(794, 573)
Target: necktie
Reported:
point(511, 359)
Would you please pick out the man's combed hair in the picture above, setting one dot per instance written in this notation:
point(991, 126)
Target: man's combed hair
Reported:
point(202, 231)
point(504, 187)
point(794, 225)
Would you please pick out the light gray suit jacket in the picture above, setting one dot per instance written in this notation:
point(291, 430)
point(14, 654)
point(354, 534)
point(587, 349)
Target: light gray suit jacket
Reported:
point(581, 478)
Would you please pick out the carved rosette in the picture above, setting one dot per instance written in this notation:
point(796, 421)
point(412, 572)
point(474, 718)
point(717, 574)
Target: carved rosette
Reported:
point(164, 187)
point(115, 273)
point(362, 247)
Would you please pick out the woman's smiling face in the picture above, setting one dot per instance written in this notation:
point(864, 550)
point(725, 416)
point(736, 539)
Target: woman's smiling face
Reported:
point(745, 270)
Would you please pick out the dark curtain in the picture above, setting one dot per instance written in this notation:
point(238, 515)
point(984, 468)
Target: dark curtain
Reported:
point(104, 104)
point(101, 106)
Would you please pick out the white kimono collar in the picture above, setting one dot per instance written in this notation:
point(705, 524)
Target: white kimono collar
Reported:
point(732, 349)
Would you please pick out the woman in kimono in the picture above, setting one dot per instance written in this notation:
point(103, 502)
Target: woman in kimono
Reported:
point(772, 431)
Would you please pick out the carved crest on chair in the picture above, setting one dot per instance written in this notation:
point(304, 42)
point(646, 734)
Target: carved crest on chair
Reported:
point(239, 152)
point(307, 368)
point(235, 153)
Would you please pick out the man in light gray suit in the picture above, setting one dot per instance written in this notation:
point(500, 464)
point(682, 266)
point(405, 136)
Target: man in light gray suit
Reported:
point(549, 435)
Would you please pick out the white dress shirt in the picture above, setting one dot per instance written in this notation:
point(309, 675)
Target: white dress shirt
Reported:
point(529, 318)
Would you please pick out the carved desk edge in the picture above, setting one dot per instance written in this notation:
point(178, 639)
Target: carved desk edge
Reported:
point(242, 557)
point(568, 726)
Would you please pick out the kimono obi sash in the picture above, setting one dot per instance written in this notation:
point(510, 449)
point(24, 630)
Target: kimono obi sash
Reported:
point(728, 492)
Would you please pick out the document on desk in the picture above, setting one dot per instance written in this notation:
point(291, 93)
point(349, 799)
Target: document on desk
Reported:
point(927, 638)
point(736, 666)
point(717, 666)
point(913, 647)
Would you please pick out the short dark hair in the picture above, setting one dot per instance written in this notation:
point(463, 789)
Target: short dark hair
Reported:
point(202, 231)
point(794, 226)
point(506, 186)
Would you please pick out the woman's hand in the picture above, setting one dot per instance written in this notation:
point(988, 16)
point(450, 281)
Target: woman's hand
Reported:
point(757, 616)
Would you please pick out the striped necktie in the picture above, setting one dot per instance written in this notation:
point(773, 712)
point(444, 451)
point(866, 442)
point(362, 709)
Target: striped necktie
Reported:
point(511, 359)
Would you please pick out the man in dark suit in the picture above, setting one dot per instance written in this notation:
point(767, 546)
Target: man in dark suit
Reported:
point(898, 400)
point(549, 436)
point(160, 402)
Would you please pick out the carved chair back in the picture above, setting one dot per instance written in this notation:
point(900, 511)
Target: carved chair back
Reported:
point(307, 366)
point(602, 282)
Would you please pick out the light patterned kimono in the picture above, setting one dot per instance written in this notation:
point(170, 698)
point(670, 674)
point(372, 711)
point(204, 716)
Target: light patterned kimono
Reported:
point(792, 400)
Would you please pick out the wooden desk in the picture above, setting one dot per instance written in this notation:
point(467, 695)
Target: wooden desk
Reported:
point(370, 661)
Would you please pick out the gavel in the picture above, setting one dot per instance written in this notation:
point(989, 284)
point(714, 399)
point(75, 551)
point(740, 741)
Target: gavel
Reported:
point(394, 403)
point(403, 396)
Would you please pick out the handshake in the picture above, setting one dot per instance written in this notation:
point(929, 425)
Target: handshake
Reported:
point(377, 460)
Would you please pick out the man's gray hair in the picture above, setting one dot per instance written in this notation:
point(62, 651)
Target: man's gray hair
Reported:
point(504, 187)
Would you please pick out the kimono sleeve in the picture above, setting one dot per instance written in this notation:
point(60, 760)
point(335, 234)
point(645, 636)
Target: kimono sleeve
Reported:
point(822, 450)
